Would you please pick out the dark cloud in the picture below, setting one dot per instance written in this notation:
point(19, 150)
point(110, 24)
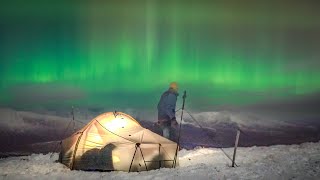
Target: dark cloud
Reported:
point(45, 93)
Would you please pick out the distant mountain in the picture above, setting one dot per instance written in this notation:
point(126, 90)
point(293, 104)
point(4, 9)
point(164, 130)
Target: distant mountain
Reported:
point(18, 129)
point(28, 132)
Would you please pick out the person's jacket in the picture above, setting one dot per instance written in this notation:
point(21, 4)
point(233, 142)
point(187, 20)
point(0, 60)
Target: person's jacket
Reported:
point(167, 103)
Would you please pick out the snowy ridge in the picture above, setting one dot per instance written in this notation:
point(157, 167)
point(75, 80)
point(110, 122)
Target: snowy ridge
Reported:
point(23, 120)
point(19, 129)
point(274, 162)
point(22, 131)
point(28, 121)
point(240, 119)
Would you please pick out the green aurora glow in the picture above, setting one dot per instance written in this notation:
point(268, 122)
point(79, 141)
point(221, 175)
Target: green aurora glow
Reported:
point(135, 49)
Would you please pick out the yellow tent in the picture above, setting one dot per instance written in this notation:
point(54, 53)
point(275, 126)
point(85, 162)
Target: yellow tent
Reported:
point(116, 141)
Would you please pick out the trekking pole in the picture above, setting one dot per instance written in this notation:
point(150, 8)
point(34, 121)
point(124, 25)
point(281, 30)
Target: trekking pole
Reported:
point(178, 141)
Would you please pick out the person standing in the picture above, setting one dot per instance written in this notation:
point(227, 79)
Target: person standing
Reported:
point(166, 111)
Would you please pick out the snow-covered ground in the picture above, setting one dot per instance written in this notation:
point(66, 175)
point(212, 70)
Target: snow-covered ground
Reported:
point(273, 162)
point(23, 132)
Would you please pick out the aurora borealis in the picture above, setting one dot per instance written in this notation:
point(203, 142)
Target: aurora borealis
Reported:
point(118, 53)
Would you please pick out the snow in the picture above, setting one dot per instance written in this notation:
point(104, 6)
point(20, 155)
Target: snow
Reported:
point(23, 121)
point(241, 119)
point(273, 162)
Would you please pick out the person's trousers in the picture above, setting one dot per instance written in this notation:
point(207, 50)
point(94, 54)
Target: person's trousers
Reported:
point(165, 124)
point(169, 132)
point(166, 132)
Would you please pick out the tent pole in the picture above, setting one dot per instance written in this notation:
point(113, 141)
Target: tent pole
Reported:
point(235, 147)
point(56, 147)
point(75, 151)
point(178, 142)
point(133, 157)
point(143, 158)
point(159, 156)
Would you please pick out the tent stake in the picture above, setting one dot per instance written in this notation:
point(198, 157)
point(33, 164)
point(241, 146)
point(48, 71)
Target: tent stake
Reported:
point(235, 148)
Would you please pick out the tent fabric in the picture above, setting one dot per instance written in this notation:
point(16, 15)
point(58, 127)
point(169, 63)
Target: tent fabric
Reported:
point(116, 141)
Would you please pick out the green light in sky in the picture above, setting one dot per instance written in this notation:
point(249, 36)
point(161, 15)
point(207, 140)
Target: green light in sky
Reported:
point(136, 49)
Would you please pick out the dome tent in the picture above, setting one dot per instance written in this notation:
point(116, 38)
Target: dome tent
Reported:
point(116, 141)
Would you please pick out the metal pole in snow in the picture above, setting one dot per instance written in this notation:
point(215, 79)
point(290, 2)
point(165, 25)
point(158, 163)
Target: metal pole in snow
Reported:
point(178, 141)
point(235, 147)
point(74, 123)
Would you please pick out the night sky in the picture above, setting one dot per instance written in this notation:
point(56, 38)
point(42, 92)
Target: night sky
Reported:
point(124, 53)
